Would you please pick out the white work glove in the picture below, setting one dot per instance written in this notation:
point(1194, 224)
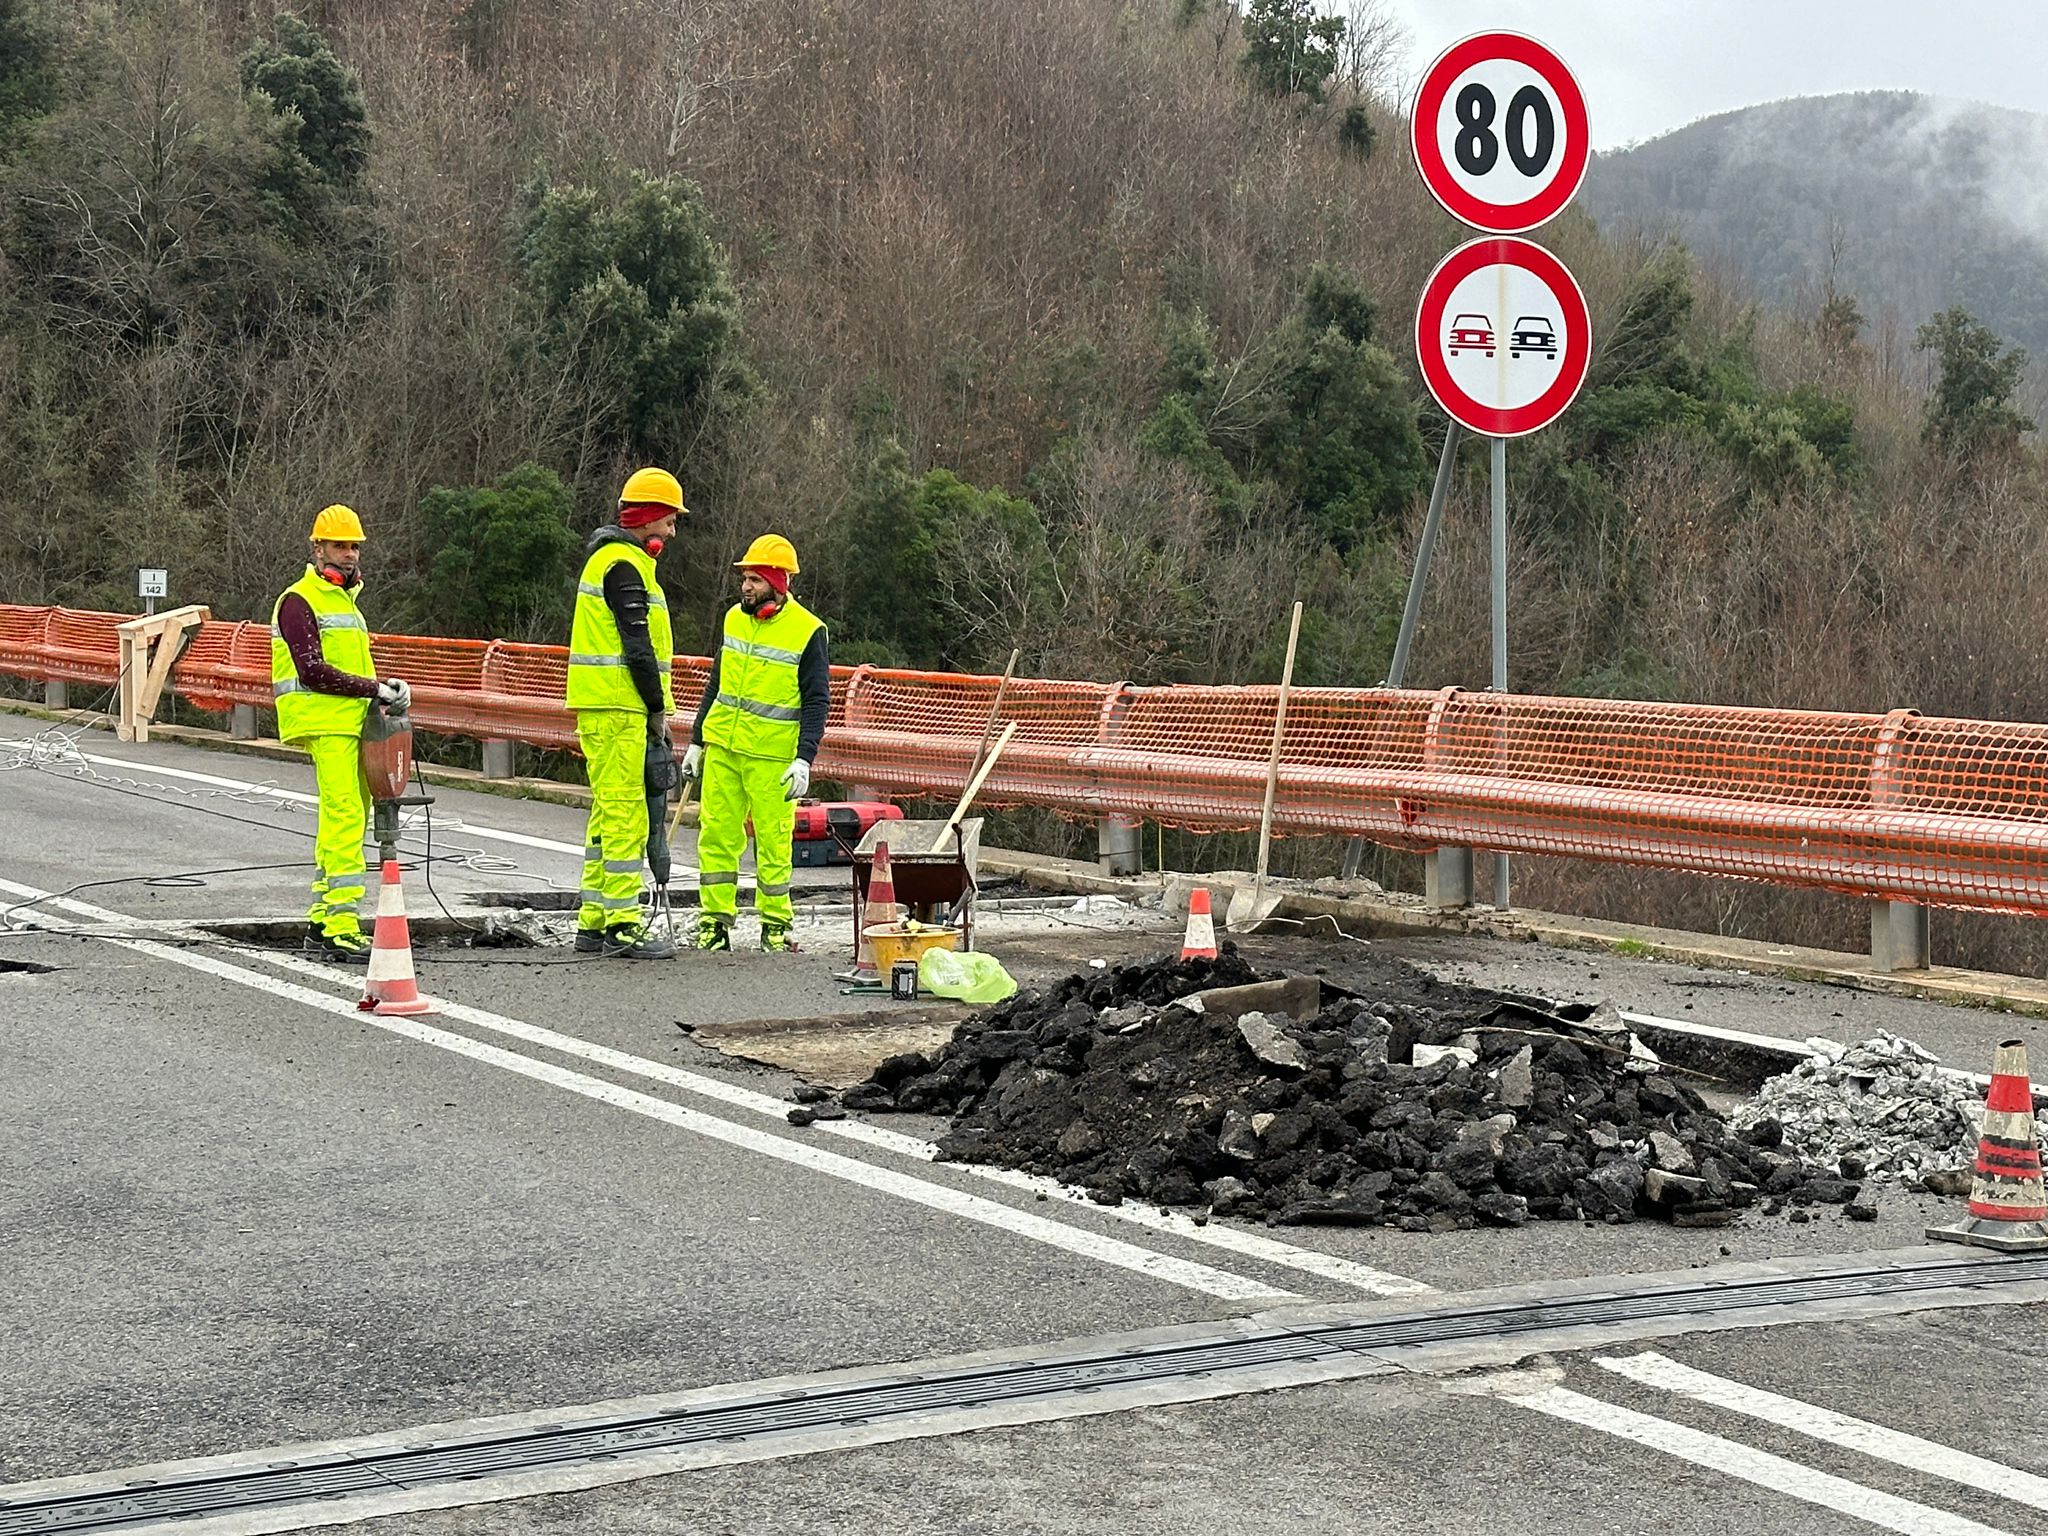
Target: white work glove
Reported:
point(693, 761)
point(395, 696)
point(796, 779)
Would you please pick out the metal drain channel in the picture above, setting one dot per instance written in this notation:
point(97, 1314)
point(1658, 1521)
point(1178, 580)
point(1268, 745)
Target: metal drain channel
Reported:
point(119, 1505)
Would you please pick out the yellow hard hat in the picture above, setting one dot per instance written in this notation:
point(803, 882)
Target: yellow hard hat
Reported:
point(338, 524)
point(653, 487)
point(771, 549)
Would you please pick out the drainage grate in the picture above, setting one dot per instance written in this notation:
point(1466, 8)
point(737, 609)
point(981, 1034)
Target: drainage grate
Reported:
point(119, 1505)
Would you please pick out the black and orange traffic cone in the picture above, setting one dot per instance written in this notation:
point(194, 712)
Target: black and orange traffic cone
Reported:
point(2008, 1207)
point(1199, 943)
point(390, 987)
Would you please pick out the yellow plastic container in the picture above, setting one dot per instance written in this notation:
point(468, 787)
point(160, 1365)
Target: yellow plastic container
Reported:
point(908, 941)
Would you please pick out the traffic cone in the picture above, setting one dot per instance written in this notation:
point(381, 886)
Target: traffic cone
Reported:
point(389, 987)
point(1200, 941)
point(881, 908)
point(2008, 1208)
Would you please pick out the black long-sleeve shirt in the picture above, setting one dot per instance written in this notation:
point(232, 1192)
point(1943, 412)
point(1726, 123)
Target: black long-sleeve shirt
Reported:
point(814, 691)
point(626, 595)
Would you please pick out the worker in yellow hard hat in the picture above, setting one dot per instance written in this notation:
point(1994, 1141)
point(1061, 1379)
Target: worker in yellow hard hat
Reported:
point(323, 681)
point(758, 730)
point(620, 650)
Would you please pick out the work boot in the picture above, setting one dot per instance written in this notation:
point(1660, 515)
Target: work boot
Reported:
point(775, 940)
point(712, 934)
point(589, 941)
point(635, 941)
point(341, 948)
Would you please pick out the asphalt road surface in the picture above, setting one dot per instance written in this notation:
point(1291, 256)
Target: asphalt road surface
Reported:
point(238, 1214)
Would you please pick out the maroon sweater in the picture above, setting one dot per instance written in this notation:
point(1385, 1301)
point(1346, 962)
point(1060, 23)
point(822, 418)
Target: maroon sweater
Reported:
point(300, 632)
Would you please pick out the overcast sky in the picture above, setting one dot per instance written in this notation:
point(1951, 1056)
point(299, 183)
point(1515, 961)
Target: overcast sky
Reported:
point(1648, 66)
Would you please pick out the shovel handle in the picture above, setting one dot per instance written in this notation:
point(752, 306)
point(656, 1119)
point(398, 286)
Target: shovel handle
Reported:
point(973, 788)
point(1273, 759)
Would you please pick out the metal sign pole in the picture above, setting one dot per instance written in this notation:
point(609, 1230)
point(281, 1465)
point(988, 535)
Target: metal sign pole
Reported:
point(1397, 671)
point(1500, 622)
point(1411, 611)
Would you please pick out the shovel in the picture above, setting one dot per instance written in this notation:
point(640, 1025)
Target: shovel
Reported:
point(1249, 908)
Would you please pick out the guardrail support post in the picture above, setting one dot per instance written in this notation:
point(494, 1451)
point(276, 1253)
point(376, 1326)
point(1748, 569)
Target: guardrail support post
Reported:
point(1116, 845)
point(56, 694)
point(497, 758)
point(242, 722)
point(1116, 837)
point(1899, 936)
point(1447, 879)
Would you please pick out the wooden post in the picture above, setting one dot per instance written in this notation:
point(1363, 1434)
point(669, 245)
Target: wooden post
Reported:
point(149, 648)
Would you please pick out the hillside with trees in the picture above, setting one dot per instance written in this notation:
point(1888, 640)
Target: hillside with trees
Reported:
point(1914, 204)
point(1069, 326)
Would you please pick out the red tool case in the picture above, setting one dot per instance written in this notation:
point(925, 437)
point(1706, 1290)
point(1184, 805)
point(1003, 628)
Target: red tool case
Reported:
point(827, 831)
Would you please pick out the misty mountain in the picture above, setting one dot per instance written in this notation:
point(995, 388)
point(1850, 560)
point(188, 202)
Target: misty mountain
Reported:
point(1914, 202)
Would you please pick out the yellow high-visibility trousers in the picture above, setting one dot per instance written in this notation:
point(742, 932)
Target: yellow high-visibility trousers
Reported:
point(615, 843)
point(339, 879)
point(735, 789)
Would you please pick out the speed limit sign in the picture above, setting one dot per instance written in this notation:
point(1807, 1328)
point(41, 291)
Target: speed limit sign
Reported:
point(1500, 132)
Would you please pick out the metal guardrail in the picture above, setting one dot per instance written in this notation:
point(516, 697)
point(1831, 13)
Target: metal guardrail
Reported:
point(1893, 808)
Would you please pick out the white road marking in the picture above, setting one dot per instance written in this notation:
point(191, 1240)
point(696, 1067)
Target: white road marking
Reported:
point(300, 797)
point(1252, 1245)
point(1750, 1465)
point(938, 1197)
point(1668, 1375)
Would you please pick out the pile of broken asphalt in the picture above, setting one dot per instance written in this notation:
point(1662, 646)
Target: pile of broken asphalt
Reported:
point(1406, 1102)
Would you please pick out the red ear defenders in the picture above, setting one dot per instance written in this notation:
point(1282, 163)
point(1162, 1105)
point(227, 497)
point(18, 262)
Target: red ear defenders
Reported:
point(334, 574)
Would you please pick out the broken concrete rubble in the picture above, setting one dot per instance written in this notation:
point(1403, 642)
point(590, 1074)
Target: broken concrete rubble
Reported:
point(1881, 1109)
point(1417, 1104)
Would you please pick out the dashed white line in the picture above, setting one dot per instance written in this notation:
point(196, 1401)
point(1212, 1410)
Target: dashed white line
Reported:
point(1733, 1459)
point(1818, 1423)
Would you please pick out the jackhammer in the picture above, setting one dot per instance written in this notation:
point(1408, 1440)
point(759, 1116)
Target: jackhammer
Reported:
point(387, 770)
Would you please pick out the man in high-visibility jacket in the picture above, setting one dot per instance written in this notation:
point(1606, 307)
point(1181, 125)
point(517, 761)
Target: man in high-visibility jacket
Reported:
point(620, 651)
point(758, 729)
point(322, 681)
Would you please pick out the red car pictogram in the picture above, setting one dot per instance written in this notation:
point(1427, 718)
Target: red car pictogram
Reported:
point(1470, 333)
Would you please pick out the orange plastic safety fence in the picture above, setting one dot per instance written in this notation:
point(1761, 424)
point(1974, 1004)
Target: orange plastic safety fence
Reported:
point(21, 640)
point(1946, 812)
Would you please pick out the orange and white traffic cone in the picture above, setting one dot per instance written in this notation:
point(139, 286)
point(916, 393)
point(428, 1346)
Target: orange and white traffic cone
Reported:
point(1200, 940)
point(390, 987)
point(880, 909)
point(2008, 1207)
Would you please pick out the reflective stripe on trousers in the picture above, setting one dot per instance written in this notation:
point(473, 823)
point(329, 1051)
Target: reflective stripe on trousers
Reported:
point(735, 789)
point(615, 845)
point(340, 880)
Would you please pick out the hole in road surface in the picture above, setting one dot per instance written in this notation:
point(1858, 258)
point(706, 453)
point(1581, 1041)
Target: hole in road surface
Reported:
point(24, 968)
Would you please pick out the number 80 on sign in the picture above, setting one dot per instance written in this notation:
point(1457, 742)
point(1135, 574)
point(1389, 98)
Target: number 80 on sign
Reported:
point(1500, 132)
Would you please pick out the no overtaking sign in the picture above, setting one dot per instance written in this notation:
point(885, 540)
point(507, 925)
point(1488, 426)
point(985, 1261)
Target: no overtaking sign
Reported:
point(1502, 336)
